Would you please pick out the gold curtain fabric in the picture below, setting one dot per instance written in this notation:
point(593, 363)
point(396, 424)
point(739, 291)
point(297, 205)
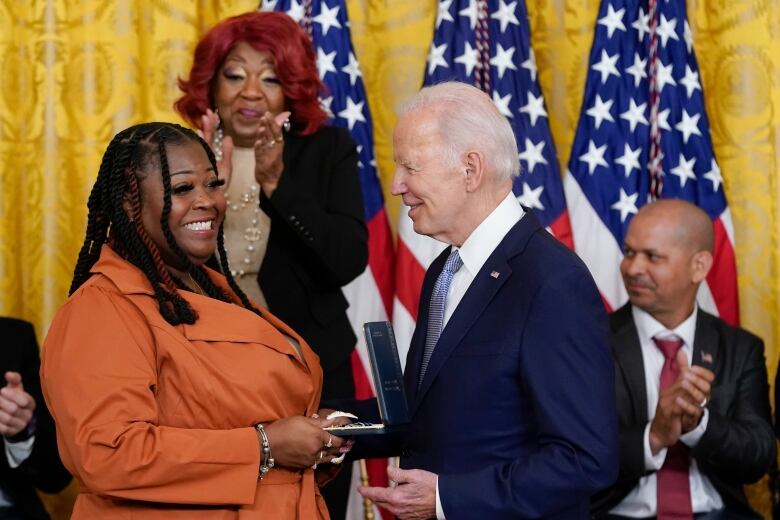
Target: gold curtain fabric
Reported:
point(76, 72)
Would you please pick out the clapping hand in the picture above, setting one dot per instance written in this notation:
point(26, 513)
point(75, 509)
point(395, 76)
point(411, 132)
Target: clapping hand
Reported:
point(16, 405)
point(269, 147)
point(209, 122)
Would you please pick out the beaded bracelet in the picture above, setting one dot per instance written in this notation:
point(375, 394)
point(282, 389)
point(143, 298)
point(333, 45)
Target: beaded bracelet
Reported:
point(267, 460)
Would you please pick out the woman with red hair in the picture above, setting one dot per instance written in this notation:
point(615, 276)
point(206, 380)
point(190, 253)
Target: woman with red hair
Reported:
point(295, 221)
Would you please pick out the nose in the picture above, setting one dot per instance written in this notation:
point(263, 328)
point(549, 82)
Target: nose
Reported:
point(633, 265)
point(207, 199)
point(398, 187)
point(252, 89)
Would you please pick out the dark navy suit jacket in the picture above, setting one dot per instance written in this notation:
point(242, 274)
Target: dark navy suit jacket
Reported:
point(516, 413)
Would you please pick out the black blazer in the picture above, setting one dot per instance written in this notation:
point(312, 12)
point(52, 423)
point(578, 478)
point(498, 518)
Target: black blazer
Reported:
point(43, 469)
point(318, 241)
point(738, 446)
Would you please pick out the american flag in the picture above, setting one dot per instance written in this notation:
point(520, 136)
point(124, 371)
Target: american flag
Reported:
point(643, 134)
point(370, 295)
point(487, 43)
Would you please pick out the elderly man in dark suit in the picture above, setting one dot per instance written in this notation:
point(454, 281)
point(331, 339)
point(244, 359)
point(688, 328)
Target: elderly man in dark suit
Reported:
point(508, 377)
point(692, 391)
point(30, 459)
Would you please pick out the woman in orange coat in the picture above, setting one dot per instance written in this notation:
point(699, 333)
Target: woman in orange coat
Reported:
point(173, 394)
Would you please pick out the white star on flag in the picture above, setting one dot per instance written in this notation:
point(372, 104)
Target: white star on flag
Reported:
point(626, 204)
point(532, 154)
point(642, 24)
point(688, 36)
point(667, 29)
point(328, 18)
point(503, 60)
point(296, 11)
point(607, 65)
point(530, 197)
point(664, 76)
point(530, 64)
point(534, 108)
point(468, 59)
point(663, 119)
point(638, 69)
point(613, 20)
point(502, 103)
point(688, 125)
point(629, 160)
point(600, 111)
point(714, 175)
point(353, 69)
point(684, 170)
point(471, 12)
point(325, 62)
point(353, 113)
point(443, 12)
point(635, 114)
point(436, 57)
point(594, 156)
point(505, 14)
point(690, 81)
point(325, 103)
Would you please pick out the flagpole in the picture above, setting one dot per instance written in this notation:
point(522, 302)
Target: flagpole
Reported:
point(368, 506)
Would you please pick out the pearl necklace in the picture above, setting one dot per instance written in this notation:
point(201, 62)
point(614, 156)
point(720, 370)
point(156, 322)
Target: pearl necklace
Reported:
point(253, 233)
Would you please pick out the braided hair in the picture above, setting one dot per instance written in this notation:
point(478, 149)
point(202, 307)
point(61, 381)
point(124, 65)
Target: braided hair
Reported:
point(117, 190)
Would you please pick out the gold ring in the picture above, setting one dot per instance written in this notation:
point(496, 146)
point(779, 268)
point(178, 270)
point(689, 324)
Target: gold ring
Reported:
point(329, 444)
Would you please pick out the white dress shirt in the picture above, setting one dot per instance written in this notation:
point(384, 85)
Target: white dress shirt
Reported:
point(474, 252)
point(641, 501)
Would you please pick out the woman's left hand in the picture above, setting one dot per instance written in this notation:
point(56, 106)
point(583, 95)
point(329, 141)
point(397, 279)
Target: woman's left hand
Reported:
point(269, 145)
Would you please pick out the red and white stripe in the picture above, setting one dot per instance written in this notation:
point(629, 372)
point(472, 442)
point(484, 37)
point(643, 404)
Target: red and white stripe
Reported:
point(370, 298)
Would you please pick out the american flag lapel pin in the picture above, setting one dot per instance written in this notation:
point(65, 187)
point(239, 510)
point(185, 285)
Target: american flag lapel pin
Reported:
point(706, 357)
point(495, 274)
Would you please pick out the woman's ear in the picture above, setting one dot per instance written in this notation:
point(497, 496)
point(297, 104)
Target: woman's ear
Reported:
point(128, 209)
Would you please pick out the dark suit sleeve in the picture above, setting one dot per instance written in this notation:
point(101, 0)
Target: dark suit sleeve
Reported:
point(739, 444)
point(330, 228)
point(568, 371)
point(43, 467)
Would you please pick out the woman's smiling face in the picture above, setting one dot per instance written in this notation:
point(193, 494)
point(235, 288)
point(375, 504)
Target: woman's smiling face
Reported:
point(197, 204)
point(246, 88)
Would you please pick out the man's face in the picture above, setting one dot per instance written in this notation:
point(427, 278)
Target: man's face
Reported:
point(658, 268)
point(425, 178)
point(197, 204)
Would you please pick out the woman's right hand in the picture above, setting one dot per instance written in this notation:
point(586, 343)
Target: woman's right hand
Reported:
point(297, 442)
point(209, 122)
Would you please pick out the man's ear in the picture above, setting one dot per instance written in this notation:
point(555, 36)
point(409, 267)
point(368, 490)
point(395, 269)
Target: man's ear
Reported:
point(474, 162)
point(701, 263)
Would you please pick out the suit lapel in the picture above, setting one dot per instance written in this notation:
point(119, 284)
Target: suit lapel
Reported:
point(706, 351)
point(473, 304)
point(628, 357)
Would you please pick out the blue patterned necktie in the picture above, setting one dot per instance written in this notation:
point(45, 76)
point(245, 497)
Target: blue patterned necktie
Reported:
point(436, 308)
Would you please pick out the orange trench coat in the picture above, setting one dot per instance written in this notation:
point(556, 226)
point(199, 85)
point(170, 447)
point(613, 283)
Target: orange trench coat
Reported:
point(156, 421)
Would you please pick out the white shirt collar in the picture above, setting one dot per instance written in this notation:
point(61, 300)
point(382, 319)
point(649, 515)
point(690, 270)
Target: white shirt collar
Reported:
point(649, 327)
point(485, 238)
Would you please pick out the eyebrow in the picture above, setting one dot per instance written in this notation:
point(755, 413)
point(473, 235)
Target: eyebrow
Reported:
point(191, 172)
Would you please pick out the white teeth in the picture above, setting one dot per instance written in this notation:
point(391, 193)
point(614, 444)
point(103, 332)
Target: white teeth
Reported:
point(199, 226)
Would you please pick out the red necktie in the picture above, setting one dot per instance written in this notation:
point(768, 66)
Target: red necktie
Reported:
point(673, 486)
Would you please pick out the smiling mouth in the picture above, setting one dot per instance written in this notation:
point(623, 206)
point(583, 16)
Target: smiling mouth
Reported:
point(249, 113)
point(203, 225)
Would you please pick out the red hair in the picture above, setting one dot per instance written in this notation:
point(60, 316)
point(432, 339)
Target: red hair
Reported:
point(294, 61)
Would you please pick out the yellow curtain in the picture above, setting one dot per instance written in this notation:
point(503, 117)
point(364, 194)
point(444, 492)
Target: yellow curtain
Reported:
point(74, 73)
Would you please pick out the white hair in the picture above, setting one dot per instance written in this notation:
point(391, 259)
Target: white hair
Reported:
point(468, 119)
